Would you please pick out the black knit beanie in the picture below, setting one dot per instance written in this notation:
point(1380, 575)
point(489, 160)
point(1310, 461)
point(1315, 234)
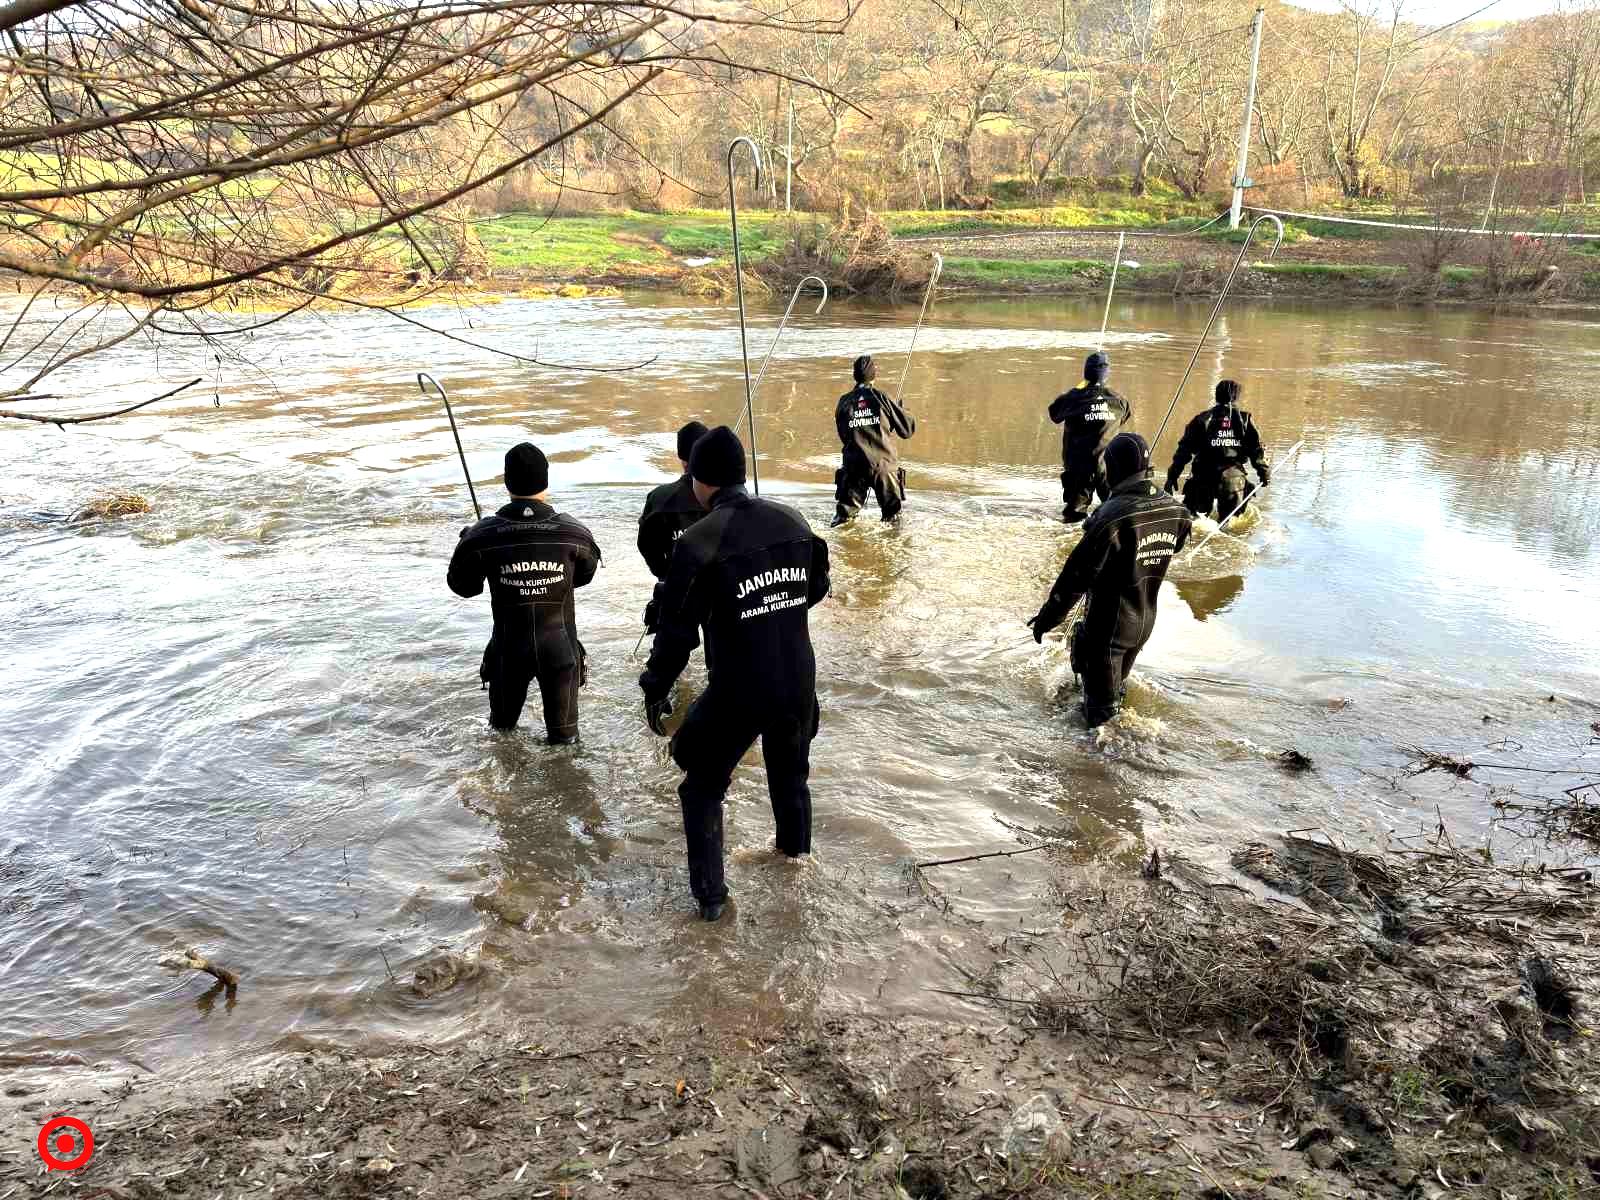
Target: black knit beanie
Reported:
point(1128, 454)
point(864, 369)
point(527, 472)
point(717, 459)
point(1096, 367)
point(1228, 391)
point(687, 437)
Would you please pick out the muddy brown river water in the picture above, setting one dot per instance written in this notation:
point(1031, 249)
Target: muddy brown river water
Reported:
point(249, 720)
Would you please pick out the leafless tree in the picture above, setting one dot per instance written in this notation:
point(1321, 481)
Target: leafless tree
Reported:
point(159, 158)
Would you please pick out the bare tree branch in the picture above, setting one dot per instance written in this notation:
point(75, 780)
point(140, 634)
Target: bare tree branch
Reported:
point(60, 419)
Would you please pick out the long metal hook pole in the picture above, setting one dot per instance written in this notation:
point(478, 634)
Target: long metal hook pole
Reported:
point(938, 268)
point(778, 337)
point(738, 291)
point(1249, 492)
point(1216, 308)
point(423, 380)
point(1117, 262)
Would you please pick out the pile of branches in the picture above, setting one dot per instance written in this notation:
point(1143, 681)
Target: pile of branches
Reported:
point(1574, 814)
point(857, 256)
point(1355, 963)
point(1570, 814)
point(1175, 958)
point(1421, 761)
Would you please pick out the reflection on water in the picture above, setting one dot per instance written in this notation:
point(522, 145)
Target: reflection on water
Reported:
point(250, 719)
point(1208, 597)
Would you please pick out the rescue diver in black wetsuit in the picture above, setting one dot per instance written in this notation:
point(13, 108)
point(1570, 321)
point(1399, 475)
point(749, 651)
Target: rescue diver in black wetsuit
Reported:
point(748, 573)
point(1089, 416)
point(1127, 546)
point(533, 558)
point(1219, 441)
point(668, 511)
point(865, 418)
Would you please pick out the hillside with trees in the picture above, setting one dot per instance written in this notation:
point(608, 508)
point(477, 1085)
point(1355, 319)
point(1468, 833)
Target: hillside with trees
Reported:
point(950, 103)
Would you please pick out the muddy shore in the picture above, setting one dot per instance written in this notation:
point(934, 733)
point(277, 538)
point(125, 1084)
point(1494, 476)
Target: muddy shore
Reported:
point(1319, 1023)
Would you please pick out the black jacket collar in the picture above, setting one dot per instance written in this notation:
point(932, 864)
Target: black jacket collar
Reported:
point(526, 510)
point(732, 494)
point(1139, 481)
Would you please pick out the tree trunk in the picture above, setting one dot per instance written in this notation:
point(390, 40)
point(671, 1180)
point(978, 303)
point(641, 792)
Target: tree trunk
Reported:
point(963, 155)
point(1141, 169)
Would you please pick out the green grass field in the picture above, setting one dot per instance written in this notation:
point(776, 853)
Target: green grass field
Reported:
point(607, 241)
point(1008, 271)
point(573, 245)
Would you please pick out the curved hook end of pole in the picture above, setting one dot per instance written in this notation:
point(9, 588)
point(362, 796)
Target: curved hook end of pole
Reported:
point(755, 157)
point(820, 282)
point(1277, 241)
point(424, 379)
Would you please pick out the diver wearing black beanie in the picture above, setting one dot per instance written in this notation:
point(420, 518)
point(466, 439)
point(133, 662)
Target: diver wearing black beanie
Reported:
point(865, 419)
point(533, 559)
point(668, 511)
point(1127, 545)
point(747, 574)
point(1219, 441)
point(1089, 416)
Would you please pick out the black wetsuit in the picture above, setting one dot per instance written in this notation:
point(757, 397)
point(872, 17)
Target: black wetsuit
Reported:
point(533, 558)
point(1219, 441)
point(1090, 416)
point(668, 511)
point(866, 418)
point(748, 574)
point(1127, 546)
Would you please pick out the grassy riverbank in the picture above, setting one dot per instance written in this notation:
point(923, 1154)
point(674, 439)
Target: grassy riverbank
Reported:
point(1064, 249)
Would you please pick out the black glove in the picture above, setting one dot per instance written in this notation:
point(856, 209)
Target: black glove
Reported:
point(1172, 485)
point(657, 703)
point(1264, 473)
point(1046, 619)
point(652, 615)
point(656, 714)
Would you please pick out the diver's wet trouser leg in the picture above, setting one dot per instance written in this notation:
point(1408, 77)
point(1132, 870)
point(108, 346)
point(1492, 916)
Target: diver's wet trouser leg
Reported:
point(786, 748)
point(508, 692)
point(849, 494)
point(1101, 669)
point(1129, 657)
point(559, 691)
point(890, 490)
point(1077, 491)
point(1231, 491)
point(1199, 495)
point(708, 746)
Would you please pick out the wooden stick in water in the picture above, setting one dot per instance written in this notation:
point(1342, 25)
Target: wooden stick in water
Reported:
point(195, 961)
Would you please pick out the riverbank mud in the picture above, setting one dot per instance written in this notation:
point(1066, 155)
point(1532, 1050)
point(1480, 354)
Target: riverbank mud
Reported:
point(1406, 1023)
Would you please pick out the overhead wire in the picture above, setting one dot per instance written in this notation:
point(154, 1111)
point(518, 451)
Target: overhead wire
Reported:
point(1451, 25)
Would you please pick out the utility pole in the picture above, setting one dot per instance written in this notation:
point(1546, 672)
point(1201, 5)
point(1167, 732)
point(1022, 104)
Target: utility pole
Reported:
point(1240, 176)
point(1499, 161)
point(788, 161)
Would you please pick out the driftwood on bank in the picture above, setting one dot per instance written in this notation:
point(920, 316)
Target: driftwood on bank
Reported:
point(193, 960)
